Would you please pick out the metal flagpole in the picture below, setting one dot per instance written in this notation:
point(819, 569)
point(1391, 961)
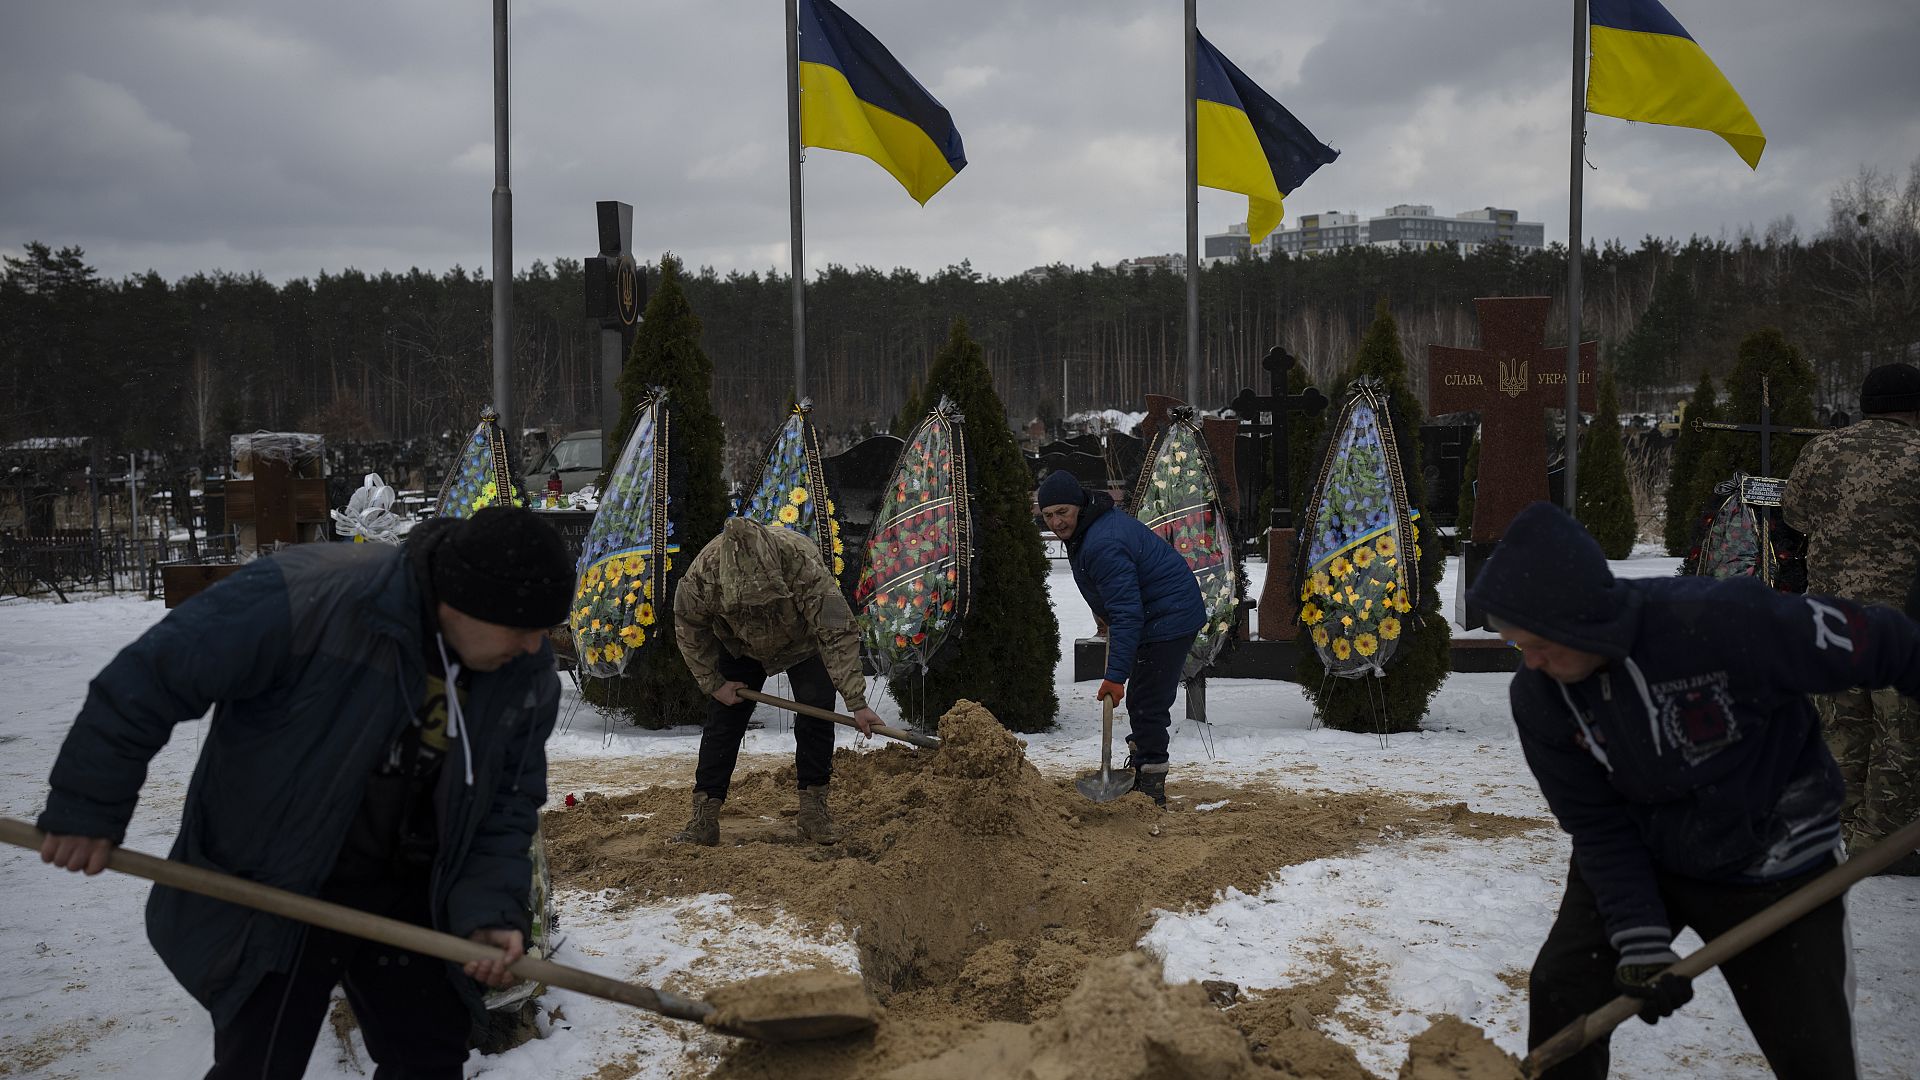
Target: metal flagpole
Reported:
point(1193, 218)
point(502, 232)
point(794, 217)
point(1576, 159)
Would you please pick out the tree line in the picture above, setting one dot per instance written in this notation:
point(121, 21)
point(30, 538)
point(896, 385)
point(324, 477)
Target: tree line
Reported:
point(143, 362)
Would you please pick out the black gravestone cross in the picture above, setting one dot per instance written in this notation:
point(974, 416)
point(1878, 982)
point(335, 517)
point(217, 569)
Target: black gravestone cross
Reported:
point(616, 293)
point(1268, 414)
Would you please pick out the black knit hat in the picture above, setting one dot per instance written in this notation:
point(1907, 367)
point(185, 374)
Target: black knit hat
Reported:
point(1891, 388)
point(1060, 488)
point(503, 566)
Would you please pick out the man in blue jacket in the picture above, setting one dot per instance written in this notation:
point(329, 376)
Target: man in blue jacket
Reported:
point(378, 740)
point(1145, 594)
point(1667, 721)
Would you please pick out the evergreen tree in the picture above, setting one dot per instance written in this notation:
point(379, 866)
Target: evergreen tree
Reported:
point(1415, 675)
point(1684, 496)
point(1469, 474)
point(912, 410)
point(1008, 646)
point(1764, 354)
point(1605, 499)
point(657, 690)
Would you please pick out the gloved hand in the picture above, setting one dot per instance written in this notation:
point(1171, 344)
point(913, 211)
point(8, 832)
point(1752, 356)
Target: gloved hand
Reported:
point(1659, 991)
point(1110, 689)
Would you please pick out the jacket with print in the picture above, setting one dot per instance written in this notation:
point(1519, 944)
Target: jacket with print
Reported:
point(1693, 750)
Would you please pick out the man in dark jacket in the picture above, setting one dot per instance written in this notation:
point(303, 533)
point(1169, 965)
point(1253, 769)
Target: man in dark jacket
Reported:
point(1145, 594)
point(1667, 721)
point(378, 739)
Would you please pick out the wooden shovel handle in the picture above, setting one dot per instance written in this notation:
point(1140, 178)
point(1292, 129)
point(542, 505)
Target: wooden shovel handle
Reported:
point(361, 924)
point(925, 742)
point(1571, 1039)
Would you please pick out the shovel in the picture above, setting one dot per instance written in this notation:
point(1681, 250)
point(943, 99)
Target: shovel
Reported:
point(1105, 785)
point(1573, 1038)
point(825, 1016)
point(924, 742)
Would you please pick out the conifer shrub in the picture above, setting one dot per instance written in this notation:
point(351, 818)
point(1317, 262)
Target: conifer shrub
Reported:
point(1009, 645)
point(1415, 674)
point(1689, 447)
point(657, 691)
point(1767, 354)
point(1604, 501)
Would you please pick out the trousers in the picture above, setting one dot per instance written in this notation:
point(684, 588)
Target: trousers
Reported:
point(726, 725)
point(1150, 689)
point(1794, 988)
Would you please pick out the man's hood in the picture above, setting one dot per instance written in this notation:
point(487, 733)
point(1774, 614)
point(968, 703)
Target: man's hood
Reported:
point(1549, 577)
point(749, 566)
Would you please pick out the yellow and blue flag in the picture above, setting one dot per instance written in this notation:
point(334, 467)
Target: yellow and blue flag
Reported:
point(1647, 67)
point(854, 96)
point(1247, 142)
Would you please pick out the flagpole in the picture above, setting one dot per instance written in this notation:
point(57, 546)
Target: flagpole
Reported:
point(1193, 216)
point(794, 212)
point(1576, 159)
point(502, 234)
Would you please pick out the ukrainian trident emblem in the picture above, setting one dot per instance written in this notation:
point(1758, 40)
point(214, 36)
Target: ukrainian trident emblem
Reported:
point(1513, 381)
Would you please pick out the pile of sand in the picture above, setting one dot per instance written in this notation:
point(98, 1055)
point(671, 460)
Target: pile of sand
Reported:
point(1453, 1049)
point(982, 894)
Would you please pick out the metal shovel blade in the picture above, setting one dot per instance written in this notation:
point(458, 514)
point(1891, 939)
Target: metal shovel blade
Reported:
point(1105, 785)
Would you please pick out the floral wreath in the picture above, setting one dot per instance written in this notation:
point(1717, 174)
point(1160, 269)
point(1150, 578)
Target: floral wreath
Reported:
point(915, 583)
point(1356, 583)
point(483, 472)
point(790, 489)
point(628, 552)
point(1178, 497)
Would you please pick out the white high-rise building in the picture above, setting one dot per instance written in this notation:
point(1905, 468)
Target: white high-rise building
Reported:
point(1406, 227)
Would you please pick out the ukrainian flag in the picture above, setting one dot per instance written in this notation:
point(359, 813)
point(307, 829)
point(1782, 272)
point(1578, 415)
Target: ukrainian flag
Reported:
point(854, 96)
point(1247, 142)
point(1647, 67)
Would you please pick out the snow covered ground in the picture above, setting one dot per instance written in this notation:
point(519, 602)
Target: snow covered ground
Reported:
point(1429, 924)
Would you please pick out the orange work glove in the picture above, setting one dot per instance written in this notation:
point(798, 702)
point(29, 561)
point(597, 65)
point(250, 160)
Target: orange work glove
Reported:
point(1110, 689)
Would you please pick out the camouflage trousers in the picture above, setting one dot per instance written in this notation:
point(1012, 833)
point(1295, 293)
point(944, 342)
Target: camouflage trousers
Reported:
point(1875, 736)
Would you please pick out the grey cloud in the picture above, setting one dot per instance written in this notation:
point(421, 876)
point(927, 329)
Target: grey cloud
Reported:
point(286, 137)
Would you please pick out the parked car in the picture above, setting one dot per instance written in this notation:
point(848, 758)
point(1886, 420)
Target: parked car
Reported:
point(578, 457)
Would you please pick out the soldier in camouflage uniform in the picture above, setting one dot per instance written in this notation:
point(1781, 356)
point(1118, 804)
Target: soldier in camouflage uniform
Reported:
point(757, 601)
point(1855, 493)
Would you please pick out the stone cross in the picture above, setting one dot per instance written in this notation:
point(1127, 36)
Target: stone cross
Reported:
point(616, 293)
point(1279, 601)
point(1508, 381)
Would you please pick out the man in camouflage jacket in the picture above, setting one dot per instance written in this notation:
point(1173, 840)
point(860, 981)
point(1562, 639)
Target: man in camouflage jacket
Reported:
point(757, 601)
point(1855, 493)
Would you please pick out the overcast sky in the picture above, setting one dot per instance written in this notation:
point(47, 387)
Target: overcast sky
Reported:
point(289, 138)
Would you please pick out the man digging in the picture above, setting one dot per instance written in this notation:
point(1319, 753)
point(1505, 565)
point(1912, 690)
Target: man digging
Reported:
point(380, 718)
point(1144, 591)
point(1667, 722)
point(757, 601)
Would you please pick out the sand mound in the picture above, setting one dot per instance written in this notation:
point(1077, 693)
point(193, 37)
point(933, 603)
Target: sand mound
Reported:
point(1453, 1049)
point(978, 891)
point(1120, 1023)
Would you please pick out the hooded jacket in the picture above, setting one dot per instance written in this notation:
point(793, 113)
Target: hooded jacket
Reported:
point(312, 662)
point(1693, 750)
point(1133, 580)
point(760, 591)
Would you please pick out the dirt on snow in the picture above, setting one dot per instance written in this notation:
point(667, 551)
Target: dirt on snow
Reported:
point(995, 909)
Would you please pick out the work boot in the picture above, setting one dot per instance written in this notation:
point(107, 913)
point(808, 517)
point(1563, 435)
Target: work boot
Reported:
point(704, 827)
point(1151, 781)
point(813, 821)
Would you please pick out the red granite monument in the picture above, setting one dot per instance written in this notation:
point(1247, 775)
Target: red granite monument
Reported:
point(1510, 381)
